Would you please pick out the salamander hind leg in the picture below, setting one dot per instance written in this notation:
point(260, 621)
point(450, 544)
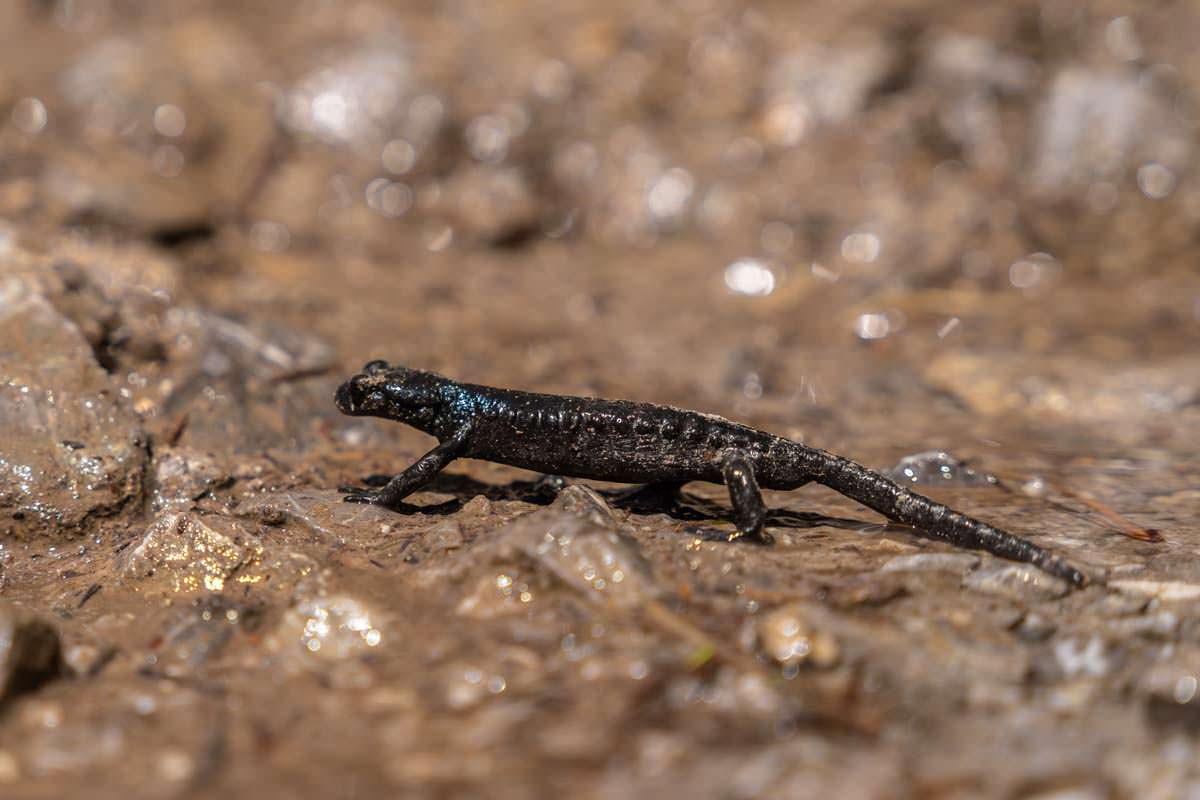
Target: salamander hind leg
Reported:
point(749, 511)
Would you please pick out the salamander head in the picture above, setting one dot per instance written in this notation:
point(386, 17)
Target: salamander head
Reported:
point(396, 393)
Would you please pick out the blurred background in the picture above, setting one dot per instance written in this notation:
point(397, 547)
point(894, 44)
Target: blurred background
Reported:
point(952, 232)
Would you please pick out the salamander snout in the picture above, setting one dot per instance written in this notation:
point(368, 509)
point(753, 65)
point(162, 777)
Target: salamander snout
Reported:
point(397, 393)
point(359, 396)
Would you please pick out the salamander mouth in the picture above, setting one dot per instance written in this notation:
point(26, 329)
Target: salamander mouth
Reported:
point(349, 397)
point(361, 395)
point(344, 399)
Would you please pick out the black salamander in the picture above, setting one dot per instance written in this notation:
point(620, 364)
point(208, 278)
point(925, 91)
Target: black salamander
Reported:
point(628, 442)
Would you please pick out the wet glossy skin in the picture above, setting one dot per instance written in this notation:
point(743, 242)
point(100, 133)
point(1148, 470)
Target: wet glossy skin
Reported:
point(628, 442)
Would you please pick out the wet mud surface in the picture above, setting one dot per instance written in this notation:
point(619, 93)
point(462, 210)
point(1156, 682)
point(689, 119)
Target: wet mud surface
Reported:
point(952, 241)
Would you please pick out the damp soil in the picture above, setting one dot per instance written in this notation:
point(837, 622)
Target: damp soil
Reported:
point(952, 241)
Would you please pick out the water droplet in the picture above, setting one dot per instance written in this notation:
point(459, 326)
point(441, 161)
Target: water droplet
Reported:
point(1076, 658)
point(29, 115)
point(751, 277)
point(169, 120)
point(670, 193)
point(861, 247)
point(1185, 689)
point(1155, 180)
point(552, 81)
point(336, 627)
point(398, 156)
point(937, 467)
point(388, 198)
point(488, 137)
point(1035, 487)
point(1033, 271)
point(175, 765)
point(872, 326)
point(787, 122)
point(329, 111)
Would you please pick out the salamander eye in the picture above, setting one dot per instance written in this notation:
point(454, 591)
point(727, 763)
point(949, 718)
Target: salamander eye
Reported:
point(375, 367)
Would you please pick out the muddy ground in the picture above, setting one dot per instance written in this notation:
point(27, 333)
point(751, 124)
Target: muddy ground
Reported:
point(959, 234)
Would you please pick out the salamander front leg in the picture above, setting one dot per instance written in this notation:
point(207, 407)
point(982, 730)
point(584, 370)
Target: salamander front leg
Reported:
point(749, 511)
point(416, 477)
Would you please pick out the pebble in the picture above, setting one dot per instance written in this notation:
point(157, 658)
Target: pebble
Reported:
point(186, 553)
point(330, 629)
point(29, 652)
point(1018, 581)
point(791, 636)
point(939, 562)
point(575, 540)
point(1163, 590)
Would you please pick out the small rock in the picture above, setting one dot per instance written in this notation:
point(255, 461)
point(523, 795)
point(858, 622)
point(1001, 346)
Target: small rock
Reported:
point(865, 590)
point(583, 502)
point(576, 540)
point(1176, 677)
point(85, 660)
point(1019, 581)
point(477, 506)
point(1121, 604)
point(322, 512)
point(72, 448)
point(502, 591)
point(185, 553)
point(1077, 658)
point(181, 475)
point(938, 562)
point(791, 635)
point(221, 137)
point(193, 555)
point(1035, 628)
point(329, 629)
point(573, 542)
point(29, 652)
point(1163, 590)
point(445, 535)
point(1163, 625)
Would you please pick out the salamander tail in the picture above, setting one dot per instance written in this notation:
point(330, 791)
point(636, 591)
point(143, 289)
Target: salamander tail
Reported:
point(936, 520)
